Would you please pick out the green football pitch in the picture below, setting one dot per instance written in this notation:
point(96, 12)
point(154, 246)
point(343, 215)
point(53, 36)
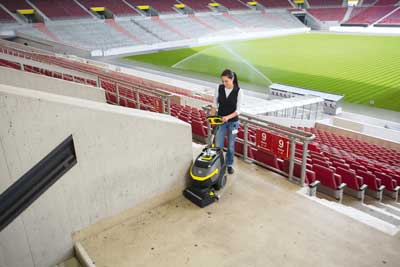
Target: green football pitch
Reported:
point(363, 68)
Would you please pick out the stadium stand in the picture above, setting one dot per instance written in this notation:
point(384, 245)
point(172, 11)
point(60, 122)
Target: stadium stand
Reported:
point(370, 15)
point(146, 36)
point(198, 5)
point(5, 17)
point(115, 6)
point(267, 20)
point(328, 14)
point(368, 2)
point(231, 4)
point(275, 3)
point(162, 6)
point(393, 19)
point(323, 3)
point(188, 26)
point(157, 28)
point(61, 9)
point(33, 31)
point(386, 2)
point(89, 34)
point(14, 5)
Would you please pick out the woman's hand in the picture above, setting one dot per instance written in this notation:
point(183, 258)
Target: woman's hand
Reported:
point(225, 118)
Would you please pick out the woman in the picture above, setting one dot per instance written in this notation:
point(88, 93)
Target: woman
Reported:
point(228, 99)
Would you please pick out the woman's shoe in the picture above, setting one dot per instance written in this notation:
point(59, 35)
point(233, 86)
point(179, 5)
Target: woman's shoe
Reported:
point(230, 170)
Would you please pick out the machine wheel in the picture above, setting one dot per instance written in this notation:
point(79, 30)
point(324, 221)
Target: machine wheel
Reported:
point(221, 182)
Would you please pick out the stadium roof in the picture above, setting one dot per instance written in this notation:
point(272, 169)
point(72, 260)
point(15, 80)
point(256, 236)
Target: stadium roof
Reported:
point(304, 91)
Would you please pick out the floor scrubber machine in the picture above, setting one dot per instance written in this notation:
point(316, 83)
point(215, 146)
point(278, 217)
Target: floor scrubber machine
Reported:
point(208, 172)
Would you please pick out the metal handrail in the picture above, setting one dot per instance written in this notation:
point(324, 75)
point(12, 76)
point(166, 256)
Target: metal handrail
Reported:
point(293, 135)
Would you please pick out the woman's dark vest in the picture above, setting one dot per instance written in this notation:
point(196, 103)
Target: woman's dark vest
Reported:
point(228, 105)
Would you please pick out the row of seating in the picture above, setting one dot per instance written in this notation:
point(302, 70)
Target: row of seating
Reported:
point(369, 15)
point(60, 9)
point(328, 14)
point(338, 164)
point(5, 17)
point(392, 19)
point(46, 72)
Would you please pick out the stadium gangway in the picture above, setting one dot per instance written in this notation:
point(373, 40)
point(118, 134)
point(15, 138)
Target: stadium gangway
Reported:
point(292, 134)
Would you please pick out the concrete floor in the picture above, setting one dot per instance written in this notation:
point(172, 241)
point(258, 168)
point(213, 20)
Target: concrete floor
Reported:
point(259, 221)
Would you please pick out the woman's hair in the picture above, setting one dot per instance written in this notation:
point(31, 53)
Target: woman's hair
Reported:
point(231, 75)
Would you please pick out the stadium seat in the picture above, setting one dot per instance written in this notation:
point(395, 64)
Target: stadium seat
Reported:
point(267, 159)
point(331, 183)
point(355, 185)
point(375, 187)
point(391, 187)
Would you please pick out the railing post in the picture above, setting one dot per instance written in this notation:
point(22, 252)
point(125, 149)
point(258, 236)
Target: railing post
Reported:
point(163, 104)
point(291, 162)
point(137, 99)
point(208, 128)
point(246, 142)
point(304, 163)
point(117, 91)
point(169, 104)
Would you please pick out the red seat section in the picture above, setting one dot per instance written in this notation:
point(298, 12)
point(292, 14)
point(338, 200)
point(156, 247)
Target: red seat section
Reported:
point(60, 9)
point(352, 180)
point(386, 2)
point(267, 159)
point(275, 3)
point(387, 181)
point(370, 180)
point(328, 14)
point(327, 177)
point(231, 4)
point(321, 3)
point(115, 6)
point(10, 64)
point(310, 175)
point(370, 15)
point(163, 6)
point(198, 5)
point(5, 17)
point(393, 19)
point(14, 5)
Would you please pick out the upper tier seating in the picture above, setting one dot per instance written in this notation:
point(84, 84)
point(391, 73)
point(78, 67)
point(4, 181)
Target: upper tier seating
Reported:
point(60, 9)
point(163, 6)
point(328, 14)
point(394, 18)
point(117, 7)
point(5, 17)
point(371, 15)
point(386, 2)
point(198, 5)
point(321, 3)
point(14, 5)
point(275, 3)
point(231, 4)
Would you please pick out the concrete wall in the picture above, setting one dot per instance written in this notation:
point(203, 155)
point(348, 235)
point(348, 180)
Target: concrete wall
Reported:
point(125, 157)
point(51, 85)
point(369, 129)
